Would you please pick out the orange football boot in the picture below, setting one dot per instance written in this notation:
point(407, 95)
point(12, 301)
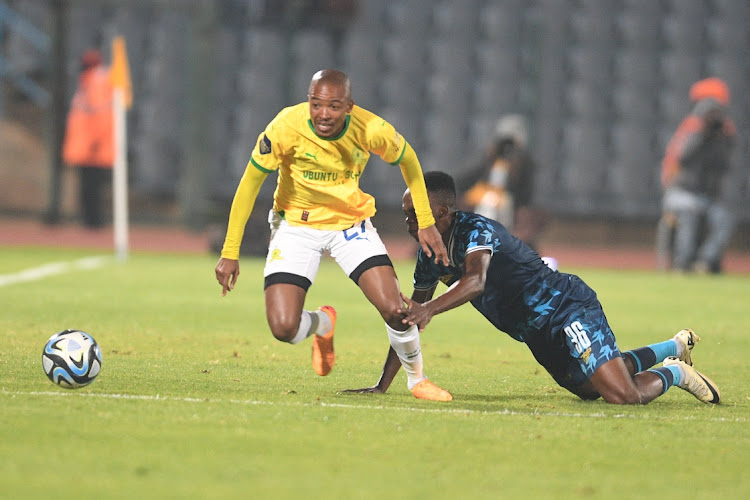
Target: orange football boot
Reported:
point(323, 355)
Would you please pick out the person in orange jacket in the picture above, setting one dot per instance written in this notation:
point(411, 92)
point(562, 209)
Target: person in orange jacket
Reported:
point(699, 178)
point(89, 135)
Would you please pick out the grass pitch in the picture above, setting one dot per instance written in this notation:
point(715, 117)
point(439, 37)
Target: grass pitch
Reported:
point(197, 400)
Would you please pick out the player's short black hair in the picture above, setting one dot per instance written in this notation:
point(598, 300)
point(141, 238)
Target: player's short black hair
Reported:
point(334, 77)
point(442, 185)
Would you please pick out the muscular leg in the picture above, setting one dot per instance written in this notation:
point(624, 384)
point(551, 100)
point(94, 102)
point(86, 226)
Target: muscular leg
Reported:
point(380, 286)
point(613, 382)
point(284, 304)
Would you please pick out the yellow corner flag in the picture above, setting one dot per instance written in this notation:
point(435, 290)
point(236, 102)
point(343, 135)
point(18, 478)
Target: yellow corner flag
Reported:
point(121, 70)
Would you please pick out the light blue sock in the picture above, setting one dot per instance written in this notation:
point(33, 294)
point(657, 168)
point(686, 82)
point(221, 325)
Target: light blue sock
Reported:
point(670, 375)
point(663, 350)
point(646, 357)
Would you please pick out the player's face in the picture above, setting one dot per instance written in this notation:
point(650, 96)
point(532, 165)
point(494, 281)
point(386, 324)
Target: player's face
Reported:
point(329, 104)
point(441, 213)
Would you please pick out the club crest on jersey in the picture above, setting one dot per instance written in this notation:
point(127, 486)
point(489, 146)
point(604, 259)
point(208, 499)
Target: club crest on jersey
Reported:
point(305, 215)
point(358, 157)
point(265, 145)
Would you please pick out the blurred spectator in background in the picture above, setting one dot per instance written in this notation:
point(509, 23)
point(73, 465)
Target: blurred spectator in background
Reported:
point(698, 184)
point(89, 136)
point(501, 185)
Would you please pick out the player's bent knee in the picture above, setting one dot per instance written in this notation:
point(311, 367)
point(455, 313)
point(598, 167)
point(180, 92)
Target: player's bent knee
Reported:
point(392, 317)
point(283, 329)
point(622, 397)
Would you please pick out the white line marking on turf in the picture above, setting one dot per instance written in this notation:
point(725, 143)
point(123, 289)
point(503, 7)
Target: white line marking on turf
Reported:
point(463, 411)
point(52, 269)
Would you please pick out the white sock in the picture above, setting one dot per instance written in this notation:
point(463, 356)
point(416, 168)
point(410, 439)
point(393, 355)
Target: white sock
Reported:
point(310, 322)
point(406, 345)
point(324, 323)
point(305, 322)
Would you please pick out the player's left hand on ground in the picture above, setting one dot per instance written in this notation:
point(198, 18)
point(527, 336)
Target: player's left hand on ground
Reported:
point(414, 313)
point(364, 390)
point(432, 244)
point(227, 271)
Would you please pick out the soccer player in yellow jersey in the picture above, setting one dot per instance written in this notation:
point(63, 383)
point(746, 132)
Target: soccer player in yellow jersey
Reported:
point(320, 149)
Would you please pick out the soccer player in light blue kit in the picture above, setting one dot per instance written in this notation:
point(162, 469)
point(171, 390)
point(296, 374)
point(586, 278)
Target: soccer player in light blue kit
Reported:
point(556, 315)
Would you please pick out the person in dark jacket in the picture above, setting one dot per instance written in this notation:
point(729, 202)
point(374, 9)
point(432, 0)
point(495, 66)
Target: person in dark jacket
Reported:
point(501, 185)
point(698, 181)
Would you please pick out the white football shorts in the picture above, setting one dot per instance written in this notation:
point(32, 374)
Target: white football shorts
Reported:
point(298, 250)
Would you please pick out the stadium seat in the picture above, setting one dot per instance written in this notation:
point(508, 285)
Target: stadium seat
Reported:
point(404, 56)
point(444, 142)
point(684, 34)
point(265, 48)
point(492, 95)
point(634, 141)
point(360, 54)
point(401, 90)
point(693, 10)
point(590, 65)
point(408, 18)
point(449, 58)
point(593, 27)
point(456, 20)
point(498, 62)
point(680, 68)
point(502, 22)
point(585, 157)
point(449, 93)
point(728, 37)
point(634, 103)
point(587, 101)
point(732, 10)
point(370, 18)
point(228, 48)
point(481, 131)
point(637, 68)
point(638, 30)
point(407, 123)
point(312, 50)
point(258, 86)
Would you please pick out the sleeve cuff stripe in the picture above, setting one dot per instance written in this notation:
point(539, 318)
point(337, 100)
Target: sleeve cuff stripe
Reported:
point(265, 170)
point(406, 145)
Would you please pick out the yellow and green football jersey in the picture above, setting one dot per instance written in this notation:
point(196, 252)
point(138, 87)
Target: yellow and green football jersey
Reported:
point(318, 183)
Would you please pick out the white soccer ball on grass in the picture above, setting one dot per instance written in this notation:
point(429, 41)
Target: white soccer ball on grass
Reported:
point(71, 359)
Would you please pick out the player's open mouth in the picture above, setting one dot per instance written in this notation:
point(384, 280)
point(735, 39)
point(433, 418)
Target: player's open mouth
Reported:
point(324, 126)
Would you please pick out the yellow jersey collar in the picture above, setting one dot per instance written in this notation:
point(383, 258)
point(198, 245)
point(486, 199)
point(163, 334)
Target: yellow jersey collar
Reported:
point(341, 134)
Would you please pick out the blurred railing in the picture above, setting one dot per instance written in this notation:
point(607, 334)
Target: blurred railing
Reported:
point(10, 20)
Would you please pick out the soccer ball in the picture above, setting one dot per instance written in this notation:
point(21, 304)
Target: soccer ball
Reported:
point(71, 359)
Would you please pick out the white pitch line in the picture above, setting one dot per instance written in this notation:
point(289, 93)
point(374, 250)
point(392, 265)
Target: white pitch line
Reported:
point(53, 269)
point(462, 411)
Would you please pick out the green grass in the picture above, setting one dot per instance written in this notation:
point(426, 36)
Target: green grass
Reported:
point(197, 400)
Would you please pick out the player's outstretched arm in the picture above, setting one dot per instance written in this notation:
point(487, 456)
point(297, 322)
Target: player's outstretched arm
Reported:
point(471, 285)
point(392, 363)
point(227, 272)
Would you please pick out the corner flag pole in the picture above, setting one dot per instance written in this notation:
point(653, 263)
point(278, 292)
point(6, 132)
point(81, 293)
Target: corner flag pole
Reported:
point(122, 100)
